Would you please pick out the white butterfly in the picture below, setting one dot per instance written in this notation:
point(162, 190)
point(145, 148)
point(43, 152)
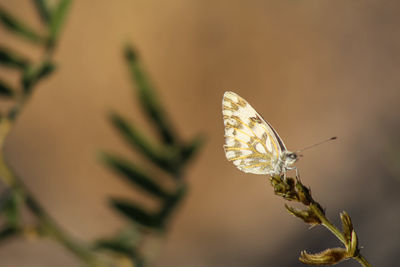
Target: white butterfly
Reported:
point(250, 142)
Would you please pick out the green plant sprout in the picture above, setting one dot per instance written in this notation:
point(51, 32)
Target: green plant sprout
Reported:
point(293, 190)
point(171, 154)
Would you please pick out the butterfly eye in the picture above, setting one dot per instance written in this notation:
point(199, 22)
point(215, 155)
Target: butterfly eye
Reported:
point(292, 156)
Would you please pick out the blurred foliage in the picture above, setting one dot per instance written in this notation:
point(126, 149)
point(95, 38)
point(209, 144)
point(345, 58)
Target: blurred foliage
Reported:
point(31, 73)
point(16, 196)
point(169, 153)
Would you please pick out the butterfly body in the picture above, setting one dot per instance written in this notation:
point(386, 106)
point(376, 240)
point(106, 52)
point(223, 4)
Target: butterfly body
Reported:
point(251, 143)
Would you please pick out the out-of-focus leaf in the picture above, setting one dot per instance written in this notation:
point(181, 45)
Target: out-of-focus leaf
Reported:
point(148, 98)
point(191, 148)
point(123, 248)
point(5, 197)
point(43, 10)
point(10, 208)
point(124, 242)
point(115, 246)
point(18, 27)
point(5, 90)
point(7, 232)
point(135, 214)
point(57, 20)
point(170, 205)
point(33, 205)
point(12, 59)
point(137, 140)
point(13, 113)
point(34, 74)
point(134, 175)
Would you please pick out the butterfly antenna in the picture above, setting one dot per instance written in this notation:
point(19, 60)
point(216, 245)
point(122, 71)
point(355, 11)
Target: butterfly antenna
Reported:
point(316, 144)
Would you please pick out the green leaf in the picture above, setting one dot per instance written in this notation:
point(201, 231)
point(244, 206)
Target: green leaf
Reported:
point(135, 214)
point(189, 150)
point(134, 175)
point(5, 197)
point(18, 27)
point(148, 98)
point(161, 157)
point(171, 204)
point(8, 232)
point(124, 242)
point(34, 74)
point(6, 90)
point(114, 246)
point(12, 59)
point(57, 20)
point(123, 248)
point(9, 206)
point(43, 10)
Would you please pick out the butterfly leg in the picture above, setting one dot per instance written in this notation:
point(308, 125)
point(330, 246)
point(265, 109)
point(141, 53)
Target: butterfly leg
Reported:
point(297, 174)
point(295, 169)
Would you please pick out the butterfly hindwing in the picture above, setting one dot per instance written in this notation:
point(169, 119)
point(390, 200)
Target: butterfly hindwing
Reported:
point(250, 143)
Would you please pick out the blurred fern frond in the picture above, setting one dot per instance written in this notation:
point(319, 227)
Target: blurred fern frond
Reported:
point(169, 153)
point(16, 198)
point(30, 72)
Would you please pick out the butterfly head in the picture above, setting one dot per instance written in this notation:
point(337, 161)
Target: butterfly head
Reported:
point(290, 158)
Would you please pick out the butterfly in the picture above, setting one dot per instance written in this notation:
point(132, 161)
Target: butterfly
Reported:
point(251, 143)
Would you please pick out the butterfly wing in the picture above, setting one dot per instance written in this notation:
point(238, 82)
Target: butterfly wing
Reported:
point(250, 142)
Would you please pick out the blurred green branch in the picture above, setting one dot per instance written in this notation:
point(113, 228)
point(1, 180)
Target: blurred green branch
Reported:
point(16, 196)
point(169, 153)
point(19, 28)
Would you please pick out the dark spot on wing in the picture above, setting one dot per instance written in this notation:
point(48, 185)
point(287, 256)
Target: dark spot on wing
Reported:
point(256, 119)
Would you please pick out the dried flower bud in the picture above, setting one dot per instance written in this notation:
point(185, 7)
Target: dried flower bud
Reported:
point(353, 249)
point(307, 215)
point(304, 194)
point(284, 187)
point(327, 257)
point(275, 180)
point(347, 226)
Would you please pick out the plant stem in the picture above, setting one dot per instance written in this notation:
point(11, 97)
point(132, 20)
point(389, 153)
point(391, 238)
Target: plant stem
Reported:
point(46, 225)
point(362, 261)
point(325, 222)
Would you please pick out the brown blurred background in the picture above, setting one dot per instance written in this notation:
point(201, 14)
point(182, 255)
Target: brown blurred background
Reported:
point(313, 68)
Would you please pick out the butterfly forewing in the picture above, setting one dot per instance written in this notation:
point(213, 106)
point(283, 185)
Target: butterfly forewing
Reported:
point(250, 143)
